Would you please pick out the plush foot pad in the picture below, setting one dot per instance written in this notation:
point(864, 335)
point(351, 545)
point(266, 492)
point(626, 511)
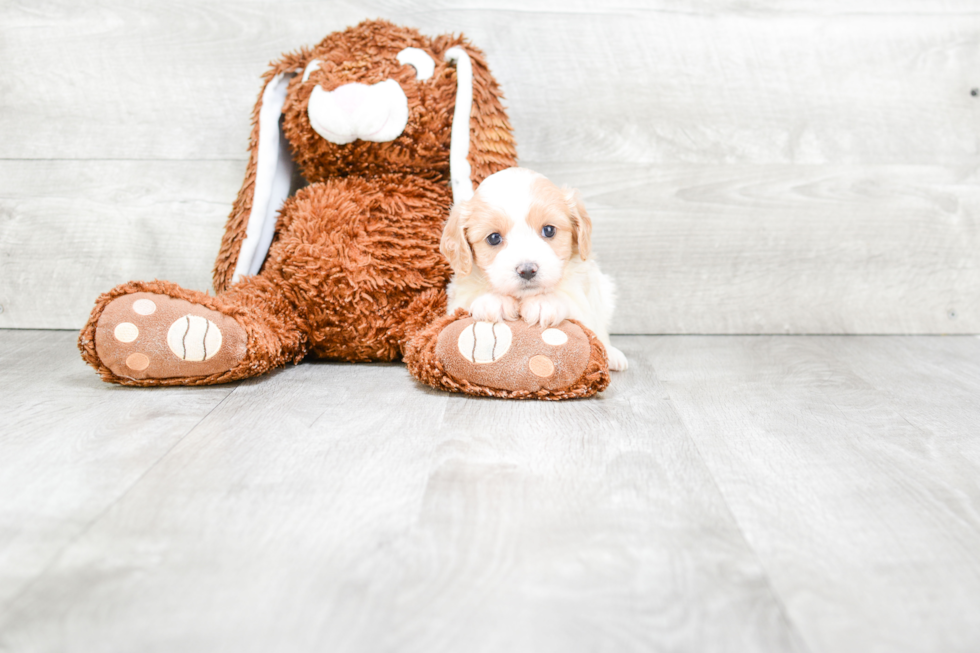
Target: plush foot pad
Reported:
point(152, 336)
point(510, 359)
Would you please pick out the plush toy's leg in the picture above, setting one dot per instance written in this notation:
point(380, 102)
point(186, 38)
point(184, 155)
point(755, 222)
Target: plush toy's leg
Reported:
point(157, 333)
point(509, 359)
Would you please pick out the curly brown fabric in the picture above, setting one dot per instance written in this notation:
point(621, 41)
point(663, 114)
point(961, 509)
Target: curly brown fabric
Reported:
point(366, 54)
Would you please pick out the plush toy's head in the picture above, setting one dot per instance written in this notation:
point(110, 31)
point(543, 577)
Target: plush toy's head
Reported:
point(376, 98)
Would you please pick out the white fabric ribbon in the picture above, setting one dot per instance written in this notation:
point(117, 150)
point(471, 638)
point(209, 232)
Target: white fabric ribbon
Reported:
point(459, 139)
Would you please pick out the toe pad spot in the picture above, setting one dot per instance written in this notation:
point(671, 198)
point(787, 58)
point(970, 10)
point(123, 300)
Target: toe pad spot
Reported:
point(144, 306)
point(541, 366)
point(554, 337)
point(138, 362)
point(126, 332)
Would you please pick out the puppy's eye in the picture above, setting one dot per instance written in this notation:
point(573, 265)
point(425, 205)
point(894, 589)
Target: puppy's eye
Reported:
point(494, 239)
point(548, 231)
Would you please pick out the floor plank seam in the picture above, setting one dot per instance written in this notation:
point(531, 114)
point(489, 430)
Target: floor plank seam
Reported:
point(11, 604)
point(776, 597)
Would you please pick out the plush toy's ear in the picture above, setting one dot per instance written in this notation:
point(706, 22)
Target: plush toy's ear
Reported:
point(454, 245)
point(460, 171)
point(268, 181)
point(583, 223)
point(491, 138)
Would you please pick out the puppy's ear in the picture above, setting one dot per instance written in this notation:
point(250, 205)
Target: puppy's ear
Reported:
point(454, 245)
point(582, 222)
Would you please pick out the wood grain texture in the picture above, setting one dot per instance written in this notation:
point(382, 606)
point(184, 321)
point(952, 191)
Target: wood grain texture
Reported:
point(851, 486)
point(950, 367)
point(104, 223)
point(71, 446)
point(727, 493)
point(664, 82)
point(746, 249)
point(755, 167)
point(786, 249)
point(345, 508)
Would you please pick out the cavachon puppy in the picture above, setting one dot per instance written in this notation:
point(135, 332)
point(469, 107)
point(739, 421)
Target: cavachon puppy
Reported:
point(521, 248)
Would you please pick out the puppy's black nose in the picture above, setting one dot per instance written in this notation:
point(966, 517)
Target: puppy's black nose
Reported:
point(527, 270)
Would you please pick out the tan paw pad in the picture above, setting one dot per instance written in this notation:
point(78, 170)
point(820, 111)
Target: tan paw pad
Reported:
point(153, 336)
point(514, 356)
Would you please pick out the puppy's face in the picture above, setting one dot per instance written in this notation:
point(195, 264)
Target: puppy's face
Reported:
point(520, 230)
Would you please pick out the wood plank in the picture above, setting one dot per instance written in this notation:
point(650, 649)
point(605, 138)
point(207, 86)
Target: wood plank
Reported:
point(948, 366)
point(345, 508)
point(707, 7)
point(786, 249)
point(719, 82)
point(867, 523)
point(71, 446)
point(71, 230)
point(695, 249)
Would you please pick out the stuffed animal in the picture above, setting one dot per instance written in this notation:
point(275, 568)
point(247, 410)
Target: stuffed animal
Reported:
point(359, 146)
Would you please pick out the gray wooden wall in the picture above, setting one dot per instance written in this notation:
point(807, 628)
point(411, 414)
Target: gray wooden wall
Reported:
point(752, 166)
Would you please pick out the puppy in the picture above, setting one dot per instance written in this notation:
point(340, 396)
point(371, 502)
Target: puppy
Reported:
point(520, 248)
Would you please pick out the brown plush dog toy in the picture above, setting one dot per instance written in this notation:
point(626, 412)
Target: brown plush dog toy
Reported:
point(386, 127)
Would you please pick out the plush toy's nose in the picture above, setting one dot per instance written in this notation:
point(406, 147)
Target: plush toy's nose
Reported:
point(350, 96)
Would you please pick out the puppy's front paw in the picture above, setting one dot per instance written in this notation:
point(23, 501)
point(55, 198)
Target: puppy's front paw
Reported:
point(544, 310)
point(494, 308)
point(617, 359)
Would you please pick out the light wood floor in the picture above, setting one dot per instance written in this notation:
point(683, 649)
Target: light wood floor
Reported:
point(759, 493)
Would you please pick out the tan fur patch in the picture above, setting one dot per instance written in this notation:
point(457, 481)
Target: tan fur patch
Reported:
point(550, 208)
point(482, 221)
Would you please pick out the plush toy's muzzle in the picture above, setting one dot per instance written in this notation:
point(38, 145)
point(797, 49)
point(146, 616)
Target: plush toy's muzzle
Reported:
point(376, 113)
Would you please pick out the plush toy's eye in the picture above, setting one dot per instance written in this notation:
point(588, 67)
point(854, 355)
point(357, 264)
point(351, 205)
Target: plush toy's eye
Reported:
point(494, 239)
point(310, 67)
point(548, 231)
point(418, 59)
